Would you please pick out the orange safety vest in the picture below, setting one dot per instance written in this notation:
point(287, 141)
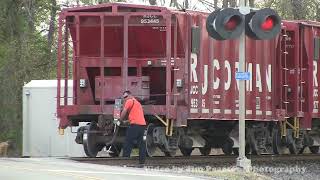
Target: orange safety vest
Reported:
point(135, 111)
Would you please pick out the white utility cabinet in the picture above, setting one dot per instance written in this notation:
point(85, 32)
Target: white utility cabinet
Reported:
point(40, 125)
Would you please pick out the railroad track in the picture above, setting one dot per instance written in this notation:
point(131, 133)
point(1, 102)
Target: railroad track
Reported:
point(216, 160)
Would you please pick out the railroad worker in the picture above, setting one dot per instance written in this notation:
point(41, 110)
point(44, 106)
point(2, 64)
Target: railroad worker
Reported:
point(135, 131)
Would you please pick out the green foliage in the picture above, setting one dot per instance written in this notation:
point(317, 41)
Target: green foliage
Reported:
point(93, 2)
point(24, 55)
point(294, 9)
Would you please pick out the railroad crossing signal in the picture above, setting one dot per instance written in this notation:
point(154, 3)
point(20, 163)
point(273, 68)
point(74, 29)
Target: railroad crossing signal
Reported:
point(229, 23)
point(262, 24)
point(224, 24)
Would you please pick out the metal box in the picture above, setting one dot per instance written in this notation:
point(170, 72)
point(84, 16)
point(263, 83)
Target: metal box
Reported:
point(40, 125)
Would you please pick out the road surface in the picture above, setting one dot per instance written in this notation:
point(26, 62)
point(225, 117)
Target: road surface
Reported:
point(62, 169)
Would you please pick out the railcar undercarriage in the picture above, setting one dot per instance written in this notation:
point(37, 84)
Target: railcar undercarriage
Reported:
point(261, 138)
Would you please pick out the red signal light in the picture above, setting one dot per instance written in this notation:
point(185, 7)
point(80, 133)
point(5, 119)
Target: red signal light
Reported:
point(262, 24)
point(223, 24)
point(232, 23)
point(268, 24)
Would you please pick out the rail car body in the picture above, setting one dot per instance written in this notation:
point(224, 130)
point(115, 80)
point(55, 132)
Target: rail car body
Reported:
point(186, 81)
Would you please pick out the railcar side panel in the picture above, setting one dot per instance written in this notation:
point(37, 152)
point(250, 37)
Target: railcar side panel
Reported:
point(213, 87)
point(311, 35)
point(202, 83)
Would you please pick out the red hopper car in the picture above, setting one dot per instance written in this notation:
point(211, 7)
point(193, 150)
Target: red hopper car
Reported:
point(185, 81)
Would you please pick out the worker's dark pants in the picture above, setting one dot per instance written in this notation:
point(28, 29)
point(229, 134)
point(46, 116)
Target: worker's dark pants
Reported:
point(135, 132)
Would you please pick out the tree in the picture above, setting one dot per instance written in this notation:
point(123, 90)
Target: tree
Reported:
point(53, 13)
point(298, 9)
point(153, 2)
point(215, 2)
point(185, 4)
point(228, 3)
point(318, 12)
point(233, 3)
point(225, 3)
point(24, 55)
point(174, 3)
point(251, 3)
point(294, 9)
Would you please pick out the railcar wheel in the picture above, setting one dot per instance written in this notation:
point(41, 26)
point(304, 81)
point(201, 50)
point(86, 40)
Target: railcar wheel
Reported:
point(169, 153)
point(186, 151)
point(277, 144)
point(293, 148)
point(254, 147)
point(150, 145)
point(314, 149)
point(115, 150)
point(205, 151)
point(89, 141)
point(235, 151)
point(227, 146)
point(295, 144)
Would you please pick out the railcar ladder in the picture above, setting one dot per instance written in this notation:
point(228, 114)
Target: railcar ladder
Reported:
point(285, 101)
point(284, 71)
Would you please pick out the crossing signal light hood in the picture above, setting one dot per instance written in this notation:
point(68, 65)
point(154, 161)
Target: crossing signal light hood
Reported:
point(224, 24)
point(229, 23)
point(263, 24)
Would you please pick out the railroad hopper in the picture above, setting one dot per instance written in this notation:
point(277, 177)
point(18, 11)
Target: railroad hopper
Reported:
point(185, 81)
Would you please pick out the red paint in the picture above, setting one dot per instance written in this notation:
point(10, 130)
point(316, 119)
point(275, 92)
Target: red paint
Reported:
point(139, 43)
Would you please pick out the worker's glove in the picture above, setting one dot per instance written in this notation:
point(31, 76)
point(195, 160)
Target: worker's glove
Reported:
point(116, 122)
point(125, 123)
